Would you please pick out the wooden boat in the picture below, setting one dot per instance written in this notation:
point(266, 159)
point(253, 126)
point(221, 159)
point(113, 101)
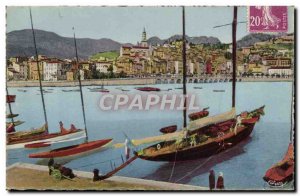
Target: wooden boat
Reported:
point(10, 98)
point(21, 90)
point(20, 135)
point(218, 91)
point(15, 123)
point(73, 90)
point(72, 151)
point(104, 91)
point(198, 115)
point(38, 145)
point(50, 137)
point(282, 172)
point(169, 129)
point(148, 89)
point(203, 142)
point(11, 115)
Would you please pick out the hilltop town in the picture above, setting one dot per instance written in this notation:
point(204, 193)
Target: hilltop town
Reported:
point(271, 58)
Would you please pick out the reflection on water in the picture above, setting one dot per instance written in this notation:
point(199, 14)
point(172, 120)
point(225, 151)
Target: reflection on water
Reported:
point(243, 166)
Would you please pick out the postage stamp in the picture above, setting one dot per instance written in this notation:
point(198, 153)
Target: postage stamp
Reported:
point(267, 18)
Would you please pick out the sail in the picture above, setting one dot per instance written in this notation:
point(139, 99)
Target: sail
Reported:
point(197, 124)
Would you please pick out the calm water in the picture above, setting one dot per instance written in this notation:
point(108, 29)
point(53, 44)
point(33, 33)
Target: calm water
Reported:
point(243, 166)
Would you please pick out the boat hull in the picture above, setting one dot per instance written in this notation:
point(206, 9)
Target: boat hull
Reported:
point(203, 151)
point(47, 138)
point(75, 151)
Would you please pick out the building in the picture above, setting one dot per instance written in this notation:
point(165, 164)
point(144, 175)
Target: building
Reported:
point(282, 71)
point(52, 70)
point(277, 62)
point(33, 69)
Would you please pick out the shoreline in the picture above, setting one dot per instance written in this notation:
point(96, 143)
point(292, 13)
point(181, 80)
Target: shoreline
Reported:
point(125, 82)
point(37, 178)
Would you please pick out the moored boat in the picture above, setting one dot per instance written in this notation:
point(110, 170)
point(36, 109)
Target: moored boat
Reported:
point(148, 89)
point(38, 145)
point(283, 171)
point(20, 135)
point(73, 151)
point(11, 115)
point(51, 137)
point(10, 98)
point(197, 115)
point(202, 142)
point(168, 129)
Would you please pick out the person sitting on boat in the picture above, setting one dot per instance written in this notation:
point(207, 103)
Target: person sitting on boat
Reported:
point(220, 181)
point(62, 129)
point(73, 128)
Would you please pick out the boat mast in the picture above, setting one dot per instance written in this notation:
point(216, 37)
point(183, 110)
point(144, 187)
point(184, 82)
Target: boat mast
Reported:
point(80, 87)
point(39, 73)
point(234, 23)
point(184, 65)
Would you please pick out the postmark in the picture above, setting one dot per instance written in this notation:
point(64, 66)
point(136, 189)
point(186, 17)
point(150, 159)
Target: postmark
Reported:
point(267, 19)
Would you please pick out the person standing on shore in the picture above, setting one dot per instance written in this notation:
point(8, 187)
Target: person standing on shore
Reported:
point(212, 180)
point(220, 181)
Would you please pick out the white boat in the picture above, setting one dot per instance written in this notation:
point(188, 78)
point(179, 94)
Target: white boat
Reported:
point(76, 134)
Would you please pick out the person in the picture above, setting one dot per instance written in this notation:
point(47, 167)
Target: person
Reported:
point(127, 149)
point(220, 181)
point(212, 181)
point(62, 129)
point(50, 165)
point(67, 172)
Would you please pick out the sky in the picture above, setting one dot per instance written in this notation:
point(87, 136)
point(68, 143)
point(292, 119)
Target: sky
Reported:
point(125, 24)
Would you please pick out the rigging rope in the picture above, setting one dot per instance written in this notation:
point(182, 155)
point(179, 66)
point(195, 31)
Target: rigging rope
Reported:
point(173, 167)
point(209, 158)
point(38, 69)
point(80, 87)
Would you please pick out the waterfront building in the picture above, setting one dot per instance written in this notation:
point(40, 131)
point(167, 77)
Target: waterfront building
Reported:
point(52, 70)
point(33, 70)
point(282, 71)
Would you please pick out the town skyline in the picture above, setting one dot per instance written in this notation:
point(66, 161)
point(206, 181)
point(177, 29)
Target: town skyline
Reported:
point(162, 22)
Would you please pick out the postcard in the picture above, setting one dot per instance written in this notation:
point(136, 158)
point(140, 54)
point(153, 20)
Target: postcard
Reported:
point(150, 98)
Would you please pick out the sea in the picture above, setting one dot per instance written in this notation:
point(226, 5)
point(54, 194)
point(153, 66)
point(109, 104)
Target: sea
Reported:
point(243, 166)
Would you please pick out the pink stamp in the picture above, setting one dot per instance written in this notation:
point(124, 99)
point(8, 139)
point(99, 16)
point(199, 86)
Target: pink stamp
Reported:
point(268, 18)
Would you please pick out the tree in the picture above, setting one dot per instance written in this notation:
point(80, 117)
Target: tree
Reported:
point(228, 55)
point(110, 69)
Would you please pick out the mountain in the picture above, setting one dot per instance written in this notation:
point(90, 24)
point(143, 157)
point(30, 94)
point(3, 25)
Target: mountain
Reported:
point(251, 39)
point(19, 43)
point(51, 44)
point(195, 40)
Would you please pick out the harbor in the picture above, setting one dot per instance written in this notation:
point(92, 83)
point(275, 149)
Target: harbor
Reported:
point(255, 152)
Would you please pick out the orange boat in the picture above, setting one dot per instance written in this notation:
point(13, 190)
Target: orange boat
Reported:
point(283, 171)
point(75, 150)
